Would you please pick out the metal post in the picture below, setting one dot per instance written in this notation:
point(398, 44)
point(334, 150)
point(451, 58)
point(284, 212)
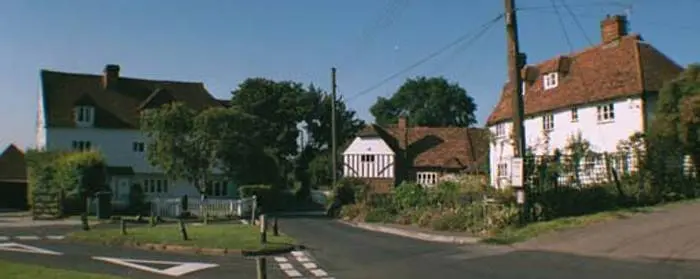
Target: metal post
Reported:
point(263, 229)
point(123, 226)
point(275, 229)
point(262, 268)
point(84, 221)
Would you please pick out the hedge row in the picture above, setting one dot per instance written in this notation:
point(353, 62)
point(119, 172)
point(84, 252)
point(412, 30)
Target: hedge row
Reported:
point(77, 174)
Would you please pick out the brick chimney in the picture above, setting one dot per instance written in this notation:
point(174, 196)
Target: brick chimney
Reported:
point(110, 76)
point(402, 122)
point(613, 28)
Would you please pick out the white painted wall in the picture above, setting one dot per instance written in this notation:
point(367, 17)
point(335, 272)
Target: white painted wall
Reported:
point(603, 137)
point(40, 124)
point(380, 167)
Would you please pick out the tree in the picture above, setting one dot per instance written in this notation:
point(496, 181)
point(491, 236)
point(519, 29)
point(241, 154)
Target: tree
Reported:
point(432, 102)
point(278, 107)
point(180, 142)
point(677, 121)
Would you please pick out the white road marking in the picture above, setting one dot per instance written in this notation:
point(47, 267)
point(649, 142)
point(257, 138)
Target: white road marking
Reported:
point(17, 247)
point(310, 266)
point(286, 266)
point(319, 272)
point(180, 269)
point(292, 273)
point(27, 237)
point(303, 259)
point(297, 253)
point(281, 259)
point(4, 238)
point(55, 237)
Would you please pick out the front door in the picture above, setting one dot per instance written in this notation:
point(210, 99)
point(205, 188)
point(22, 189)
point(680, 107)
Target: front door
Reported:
point(122, 192)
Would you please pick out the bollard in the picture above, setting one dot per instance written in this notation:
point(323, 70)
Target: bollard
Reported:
point(262, 268)
point(84, 221)
point(123, 226)
point(275, 230)
point(152, 220)
point(183, 230)
point(263, 229)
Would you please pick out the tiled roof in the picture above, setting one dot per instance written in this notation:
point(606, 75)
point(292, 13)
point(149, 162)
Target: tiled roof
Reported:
point(449, 147)
point(116, 107)
point(623, 68)
point(12, 165)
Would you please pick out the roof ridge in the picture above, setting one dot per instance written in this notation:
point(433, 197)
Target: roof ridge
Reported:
point(586, 49)
point(122, 77)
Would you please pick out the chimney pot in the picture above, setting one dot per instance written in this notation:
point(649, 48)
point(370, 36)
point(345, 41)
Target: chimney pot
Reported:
point(613, 28)
point(110, 76)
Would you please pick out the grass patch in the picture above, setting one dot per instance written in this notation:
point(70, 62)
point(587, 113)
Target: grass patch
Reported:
point(10, 270)
point(514, 235)
point(229, 236)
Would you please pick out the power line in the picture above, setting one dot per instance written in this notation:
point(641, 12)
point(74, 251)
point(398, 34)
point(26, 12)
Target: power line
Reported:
point(578, 23)
point(463, 47)
point(459, 40)
point(561, 23)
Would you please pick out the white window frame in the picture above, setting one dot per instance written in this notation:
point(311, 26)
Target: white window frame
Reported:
point(550, 80)
point(548, 122)
point(500, 130)
point(427, 178)
point(367, 158)
point(217, 188)
point(574, 115)
point(138, 146)
point(82, 145)
point(155, 186)
point(84, 116)
point(502, 170)
point(606, 113)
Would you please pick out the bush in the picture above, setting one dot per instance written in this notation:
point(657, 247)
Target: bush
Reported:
point(352, 211)
point(379, 215)
point(410, 195)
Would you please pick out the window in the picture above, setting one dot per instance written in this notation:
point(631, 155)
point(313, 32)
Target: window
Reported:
point(501, 130)
point(84, 116)
point(153, 186)
point(548, 122)
point(551, 80)
point(502, 170)
point(217, 189)
point(81, 145)
point(367, 158)
point(574, 115)
point(606, 113)
point(427, 178)
point(138, 146)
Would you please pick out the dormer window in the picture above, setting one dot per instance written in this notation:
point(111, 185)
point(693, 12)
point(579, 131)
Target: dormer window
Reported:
point(551, 80)
point(84, 116)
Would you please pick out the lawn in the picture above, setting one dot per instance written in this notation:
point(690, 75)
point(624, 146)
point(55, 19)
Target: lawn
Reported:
point(229, 236)
point(10, 270)
point(513, 235)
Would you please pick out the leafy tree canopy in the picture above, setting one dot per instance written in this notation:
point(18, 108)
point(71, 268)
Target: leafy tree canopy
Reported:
point(432, 102)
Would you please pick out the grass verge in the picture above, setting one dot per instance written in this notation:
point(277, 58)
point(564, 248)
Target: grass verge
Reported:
point(217, 236)
point(10, 270)
point(514, 235)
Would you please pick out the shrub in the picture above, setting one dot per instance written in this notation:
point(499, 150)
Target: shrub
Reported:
point(352, 211)
point(379, 215)
point(446, 194)
point(410, 195)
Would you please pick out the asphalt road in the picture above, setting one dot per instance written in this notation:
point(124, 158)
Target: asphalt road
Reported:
point(81, 257)
point(347, 252)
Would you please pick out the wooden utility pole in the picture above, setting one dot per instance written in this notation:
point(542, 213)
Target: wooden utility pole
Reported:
point(333, 129)
point(516, 62)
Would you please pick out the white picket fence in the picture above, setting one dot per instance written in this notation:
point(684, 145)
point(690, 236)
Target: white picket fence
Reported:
point(214, 207)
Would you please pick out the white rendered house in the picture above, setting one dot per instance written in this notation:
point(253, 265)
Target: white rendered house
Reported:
point(83, 111)
point(605, 93)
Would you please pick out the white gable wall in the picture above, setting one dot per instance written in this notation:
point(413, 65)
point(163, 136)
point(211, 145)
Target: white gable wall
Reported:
point(368, 158)
point(603, 137)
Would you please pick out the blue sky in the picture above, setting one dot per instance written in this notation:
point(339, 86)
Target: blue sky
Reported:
point(221, 43)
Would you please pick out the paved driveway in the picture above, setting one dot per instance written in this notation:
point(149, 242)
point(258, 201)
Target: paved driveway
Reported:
point(347, 252)
point(670, 234)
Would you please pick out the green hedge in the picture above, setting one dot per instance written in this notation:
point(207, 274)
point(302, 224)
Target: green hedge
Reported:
point(77, 174)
